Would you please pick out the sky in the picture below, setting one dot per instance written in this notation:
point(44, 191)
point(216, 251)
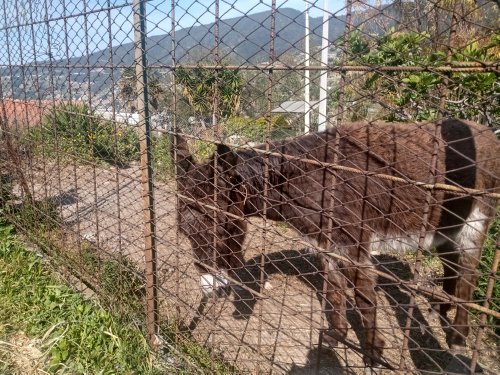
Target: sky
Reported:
point(38, 30)
point(236, 8)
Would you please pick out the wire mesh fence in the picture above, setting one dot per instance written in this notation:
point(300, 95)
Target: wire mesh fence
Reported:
point(266, 187)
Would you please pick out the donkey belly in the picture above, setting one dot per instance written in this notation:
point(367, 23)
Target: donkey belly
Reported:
point(464, 236)
point(401, 243)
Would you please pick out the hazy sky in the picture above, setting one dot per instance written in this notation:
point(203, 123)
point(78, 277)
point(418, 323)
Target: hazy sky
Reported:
point(75, 27)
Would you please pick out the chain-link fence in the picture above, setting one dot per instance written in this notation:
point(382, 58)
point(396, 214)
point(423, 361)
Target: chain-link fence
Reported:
point(282, 186)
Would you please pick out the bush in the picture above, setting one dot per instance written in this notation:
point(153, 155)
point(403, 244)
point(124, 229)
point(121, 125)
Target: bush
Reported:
point(254, 130)
point(116, 145)
point(163, 165)
point(415, 96)
point(202, 150)
point(75, 130)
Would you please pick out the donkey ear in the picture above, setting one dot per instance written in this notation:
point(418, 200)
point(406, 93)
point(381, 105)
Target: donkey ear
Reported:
point(227, 157)
point(180, 148)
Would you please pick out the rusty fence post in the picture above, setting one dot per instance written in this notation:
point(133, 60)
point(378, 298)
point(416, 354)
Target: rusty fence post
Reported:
point(139, 11)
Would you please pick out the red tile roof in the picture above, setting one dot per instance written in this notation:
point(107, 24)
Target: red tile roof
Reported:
point(25, 113)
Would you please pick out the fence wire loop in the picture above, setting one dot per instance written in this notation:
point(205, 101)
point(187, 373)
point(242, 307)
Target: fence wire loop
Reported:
point(251, 183)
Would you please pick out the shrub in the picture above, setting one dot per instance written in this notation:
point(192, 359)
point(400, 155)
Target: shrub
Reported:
point(76, 131)
point(203, 150)
point(117, 145)
point(415, 96)
point(254, 130)
point(5, 185)
point(162, 160)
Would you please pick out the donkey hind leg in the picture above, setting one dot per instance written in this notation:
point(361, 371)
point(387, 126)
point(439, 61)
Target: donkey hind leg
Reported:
point(470, 241)
point(366, 301)
point(449, 254)
point(335, 302)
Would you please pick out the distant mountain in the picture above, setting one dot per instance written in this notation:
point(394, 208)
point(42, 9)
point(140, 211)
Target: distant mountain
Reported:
point(242, 39)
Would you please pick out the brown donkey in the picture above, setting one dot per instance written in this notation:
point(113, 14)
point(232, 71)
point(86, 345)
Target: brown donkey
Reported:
point(316, 184)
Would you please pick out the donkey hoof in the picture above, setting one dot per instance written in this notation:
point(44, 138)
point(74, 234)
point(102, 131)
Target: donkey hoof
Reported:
point(329, 340)
point(374, 352)
point(243, 310)
point(456, 342)
point(456, 349)
point(373, 370)
point(239, 315)
point(371, 366)
point(461, 364)
point(332, 337)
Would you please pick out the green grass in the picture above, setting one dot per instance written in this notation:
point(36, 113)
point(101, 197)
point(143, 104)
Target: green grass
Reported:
point(84, 338)
point(163, 165)
point(77, 335)
point(116, 279)
point(485, 271)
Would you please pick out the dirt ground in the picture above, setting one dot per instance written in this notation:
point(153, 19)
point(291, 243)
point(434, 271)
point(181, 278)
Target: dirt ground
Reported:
point(22, 354)
point(104, 205)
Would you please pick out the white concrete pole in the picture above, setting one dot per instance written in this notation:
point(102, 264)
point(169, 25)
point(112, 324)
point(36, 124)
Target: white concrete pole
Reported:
point(323, 81)
point(307, 104)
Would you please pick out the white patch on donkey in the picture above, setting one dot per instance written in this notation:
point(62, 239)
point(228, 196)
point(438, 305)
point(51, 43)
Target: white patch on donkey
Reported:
point(211, 284)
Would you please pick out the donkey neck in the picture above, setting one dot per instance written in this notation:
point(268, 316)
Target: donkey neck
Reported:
point(265, 196)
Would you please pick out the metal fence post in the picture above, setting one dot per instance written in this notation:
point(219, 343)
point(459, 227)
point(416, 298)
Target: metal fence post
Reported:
point(139, 10)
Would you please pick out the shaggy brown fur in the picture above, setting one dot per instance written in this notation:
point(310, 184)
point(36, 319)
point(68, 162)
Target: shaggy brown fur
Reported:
point(350, 213)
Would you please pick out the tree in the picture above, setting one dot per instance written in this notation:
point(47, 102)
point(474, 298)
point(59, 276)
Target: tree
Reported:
point(286, 85)
point(415, 95)
point(201, 85)
point(128, 88)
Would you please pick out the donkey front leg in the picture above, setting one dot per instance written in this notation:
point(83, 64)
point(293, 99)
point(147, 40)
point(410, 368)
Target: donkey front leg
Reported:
point(334, 287)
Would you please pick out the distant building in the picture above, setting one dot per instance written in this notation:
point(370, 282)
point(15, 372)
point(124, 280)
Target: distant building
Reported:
point(295, 106)
point(121, 117)
point(25, 113)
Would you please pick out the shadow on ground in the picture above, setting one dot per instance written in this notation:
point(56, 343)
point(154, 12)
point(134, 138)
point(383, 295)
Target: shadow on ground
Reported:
point(426, 352)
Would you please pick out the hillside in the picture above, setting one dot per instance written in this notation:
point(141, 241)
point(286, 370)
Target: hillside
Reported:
point(243, 39)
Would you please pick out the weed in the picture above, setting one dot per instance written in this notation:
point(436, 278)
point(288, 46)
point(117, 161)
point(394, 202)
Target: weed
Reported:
point(121, 286)
point(163, 164)
point(74, 130)
point(201, 359)
point(89, 257)
point(5, 188)
point(205, 359)
point(115, 277)
point(485, 272)
point(39, 216)
point(202, 150)
point(77, 335)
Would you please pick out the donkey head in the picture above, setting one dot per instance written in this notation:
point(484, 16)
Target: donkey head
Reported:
point(211, 208)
